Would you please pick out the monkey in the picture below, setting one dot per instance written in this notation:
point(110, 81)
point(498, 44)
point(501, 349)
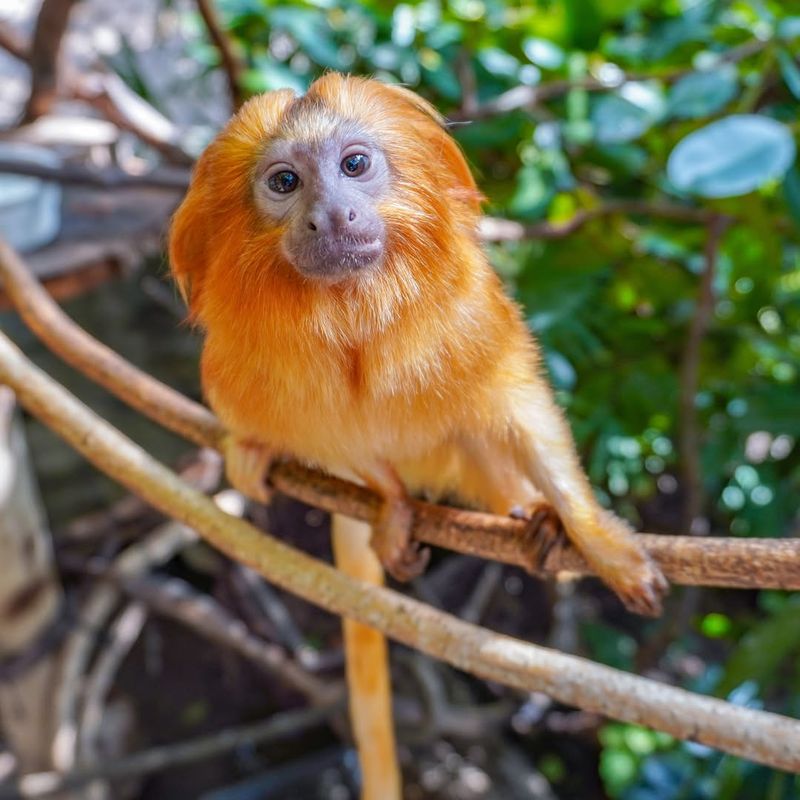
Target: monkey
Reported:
point(328, 246)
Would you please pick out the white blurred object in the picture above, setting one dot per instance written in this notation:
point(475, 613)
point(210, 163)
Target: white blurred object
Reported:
point(30, 208)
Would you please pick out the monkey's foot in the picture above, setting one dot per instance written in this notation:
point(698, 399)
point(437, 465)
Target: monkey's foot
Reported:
point(612, 552)
point(641, 586)
point(247, 465)
point(401, 557)
point(544, 533)
point(625, 567)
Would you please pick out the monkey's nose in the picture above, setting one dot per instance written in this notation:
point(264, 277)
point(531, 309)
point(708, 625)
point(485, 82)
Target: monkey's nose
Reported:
point(331, 220)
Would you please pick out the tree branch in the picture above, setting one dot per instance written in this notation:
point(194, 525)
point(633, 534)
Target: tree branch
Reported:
point(51, 25)
point(757, 735)
point(494, 229)
point(172, 178)
point(742, 563)
point(528, 97)
point(13, 43)
point(689, 435)
point(277, 728)
point(231, 63)
point(119, 104)
point(177, 600)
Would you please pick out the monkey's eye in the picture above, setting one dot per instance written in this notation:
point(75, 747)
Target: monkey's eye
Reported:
point(355, 165)
point(283, 182)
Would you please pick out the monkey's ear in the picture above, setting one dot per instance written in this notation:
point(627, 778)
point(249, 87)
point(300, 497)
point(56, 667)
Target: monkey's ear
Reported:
point(448, 151)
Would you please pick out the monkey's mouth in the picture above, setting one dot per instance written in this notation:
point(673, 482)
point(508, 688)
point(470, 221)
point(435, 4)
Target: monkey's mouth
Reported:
point(333, 259)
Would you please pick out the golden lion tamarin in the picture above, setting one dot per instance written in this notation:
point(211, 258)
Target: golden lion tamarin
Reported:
point(328, 246)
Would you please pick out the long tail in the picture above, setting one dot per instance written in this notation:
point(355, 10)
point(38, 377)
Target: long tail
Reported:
point(367, 661)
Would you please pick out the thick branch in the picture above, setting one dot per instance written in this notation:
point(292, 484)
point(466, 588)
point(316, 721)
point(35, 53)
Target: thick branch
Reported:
point(743, 563)
point(756, 735)
point(51, 24)
point(119, 104)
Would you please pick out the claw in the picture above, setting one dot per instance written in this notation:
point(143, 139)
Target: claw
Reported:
point(544, 533)
point(401, 557)
point(644, 590)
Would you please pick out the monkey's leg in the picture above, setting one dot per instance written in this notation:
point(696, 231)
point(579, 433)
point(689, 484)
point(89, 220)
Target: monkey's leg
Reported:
point(544, 447)
point(391, 533)
point(367, 664)
point(491, 479)
point(247, 464)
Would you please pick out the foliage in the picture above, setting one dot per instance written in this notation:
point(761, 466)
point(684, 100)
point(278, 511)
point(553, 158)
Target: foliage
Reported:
point(690, 103)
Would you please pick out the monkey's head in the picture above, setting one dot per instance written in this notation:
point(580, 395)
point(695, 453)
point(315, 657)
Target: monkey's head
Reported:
point(353, 179)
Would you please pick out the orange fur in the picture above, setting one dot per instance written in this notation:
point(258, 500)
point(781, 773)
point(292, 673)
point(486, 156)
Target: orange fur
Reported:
point(420, 369)
point(381, 368)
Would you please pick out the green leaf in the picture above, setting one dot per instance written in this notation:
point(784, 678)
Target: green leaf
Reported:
point(626, 115)
point(790, 72)
point(791, 191)
point(764, 648)
point(311, 32)
point(543, 53)
point(788, 28)
point(732, 156)
point(702, 93)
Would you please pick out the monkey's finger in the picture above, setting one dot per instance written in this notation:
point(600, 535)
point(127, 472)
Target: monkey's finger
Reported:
point(408, 563)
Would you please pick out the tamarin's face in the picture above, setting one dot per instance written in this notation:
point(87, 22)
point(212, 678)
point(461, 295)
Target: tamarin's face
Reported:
point(354, 182)
point(324, 192)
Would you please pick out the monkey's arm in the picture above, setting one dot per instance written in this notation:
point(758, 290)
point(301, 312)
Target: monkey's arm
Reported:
point(543, 447)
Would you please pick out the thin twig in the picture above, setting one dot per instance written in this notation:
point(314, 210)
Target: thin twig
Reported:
point(689, 432)
point(231, 62)
point(157, 548)
point(693, 518)
point(202, 470)
point(528, 97)
point(742, 563)
point(756, 735)
point(269, 605)
point(122, 636)
point(277, 728)
point(170, 178)
point(493, 229)
point(177, 600)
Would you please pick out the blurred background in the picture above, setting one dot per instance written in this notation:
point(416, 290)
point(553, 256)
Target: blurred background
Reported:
point(643, 206)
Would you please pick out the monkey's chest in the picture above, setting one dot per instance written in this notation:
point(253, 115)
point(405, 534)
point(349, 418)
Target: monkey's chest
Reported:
point(337, 409)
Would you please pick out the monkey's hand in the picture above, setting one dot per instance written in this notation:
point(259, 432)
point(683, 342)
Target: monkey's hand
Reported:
point(247, 464)
point(391, 539)
point(544, 532)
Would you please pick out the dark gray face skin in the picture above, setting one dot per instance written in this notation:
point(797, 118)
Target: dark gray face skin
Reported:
point(326, 193)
